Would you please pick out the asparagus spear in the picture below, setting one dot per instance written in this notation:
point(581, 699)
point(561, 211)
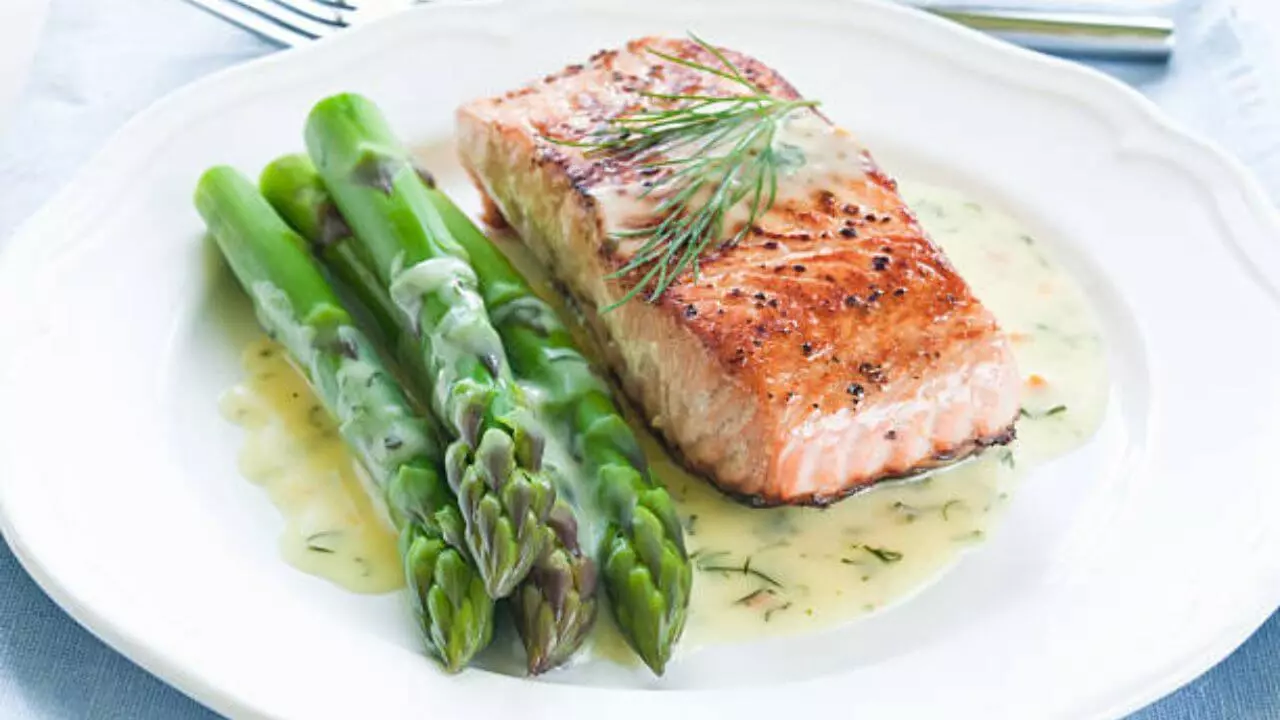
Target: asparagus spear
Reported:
point(647, 571)
point(494, 464)
point(646, 568)
point(296, 305)
point(554, 607)
point(294, 188)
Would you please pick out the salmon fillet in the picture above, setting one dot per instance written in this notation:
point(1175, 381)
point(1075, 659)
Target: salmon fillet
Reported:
point(833, 347)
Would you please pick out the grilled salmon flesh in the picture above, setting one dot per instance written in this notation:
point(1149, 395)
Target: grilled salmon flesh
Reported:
point(833, 347)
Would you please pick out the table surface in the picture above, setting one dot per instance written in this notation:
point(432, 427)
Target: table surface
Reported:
point(101, 62)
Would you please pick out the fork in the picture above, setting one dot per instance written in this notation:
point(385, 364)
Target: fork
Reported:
point(286, 22)
point(1079, 34)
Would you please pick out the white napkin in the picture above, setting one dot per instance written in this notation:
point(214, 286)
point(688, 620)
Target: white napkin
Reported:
point(20, 24)
point(98, 64)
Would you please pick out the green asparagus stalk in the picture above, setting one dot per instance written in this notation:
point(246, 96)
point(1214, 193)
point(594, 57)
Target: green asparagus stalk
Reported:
point(554, 607)
point(297, 307)
point(294, 188)
point(494, 463)
point(647, 570)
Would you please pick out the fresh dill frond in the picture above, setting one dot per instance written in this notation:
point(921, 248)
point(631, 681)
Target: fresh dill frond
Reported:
point(713, 152)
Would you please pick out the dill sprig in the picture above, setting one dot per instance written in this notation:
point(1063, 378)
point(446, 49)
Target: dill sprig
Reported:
point(715, 152)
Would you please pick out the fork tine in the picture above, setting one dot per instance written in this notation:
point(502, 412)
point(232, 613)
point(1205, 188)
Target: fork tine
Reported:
point(321, 12)
point(289, 12)
point(267, 26)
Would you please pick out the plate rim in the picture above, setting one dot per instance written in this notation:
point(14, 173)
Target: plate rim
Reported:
point(1147, 131)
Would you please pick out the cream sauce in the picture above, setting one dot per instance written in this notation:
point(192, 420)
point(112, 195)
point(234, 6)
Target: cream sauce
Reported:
point(333, 527)
point(760, 572)
point(816, 154)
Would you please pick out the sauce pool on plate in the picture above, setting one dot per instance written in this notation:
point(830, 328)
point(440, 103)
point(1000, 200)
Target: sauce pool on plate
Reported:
point(334, 529)
point(759, 572)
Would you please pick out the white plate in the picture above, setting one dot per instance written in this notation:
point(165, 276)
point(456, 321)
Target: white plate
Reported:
point(1121, 572)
